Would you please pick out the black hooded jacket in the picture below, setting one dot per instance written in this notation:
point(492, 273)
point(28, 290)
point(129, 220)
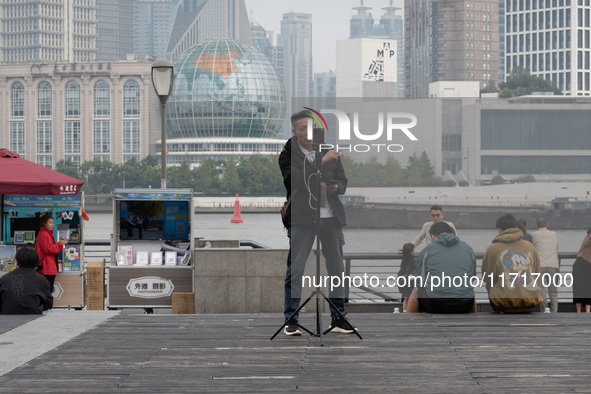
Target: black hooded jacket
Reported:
point(298, 172)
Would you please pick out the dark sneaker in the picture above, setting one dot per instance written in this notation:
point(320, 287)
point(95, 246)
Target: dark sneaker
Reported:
point(341, 326)
point(291, 328)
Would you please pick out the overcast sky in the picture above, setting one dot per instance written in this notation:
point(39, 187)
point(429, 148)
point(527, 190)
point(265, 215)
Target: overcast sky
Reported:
point(330, 21)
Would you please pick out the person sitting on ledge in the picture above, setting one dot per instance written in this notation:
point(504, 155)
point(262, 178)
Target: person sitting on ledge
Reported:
point(443, 261)
point(24, 291)
point(509, 267)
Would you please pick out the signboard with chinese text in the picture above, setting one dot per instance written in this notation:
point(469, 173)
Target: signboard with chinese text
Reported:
point(150, 287)
point(131, 286)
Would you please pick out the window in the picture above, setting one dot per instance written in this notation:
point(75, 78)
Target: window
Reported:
point(101, 137)
point(44, 137)
point(17, 101)
point(72, 98)
point(102, 100)
point(72, 137)
point(17, 137)
point(44, 100)
point(131, 99)
point(131, 137)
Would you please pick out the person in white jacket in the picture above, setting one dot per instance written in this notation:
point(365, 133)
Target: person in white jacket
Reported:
point(546, 243)
point(436, 213)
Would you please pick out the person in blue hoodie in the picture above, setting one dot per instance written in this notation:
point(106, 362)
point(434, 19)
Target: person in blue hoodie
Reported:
point(446, 267)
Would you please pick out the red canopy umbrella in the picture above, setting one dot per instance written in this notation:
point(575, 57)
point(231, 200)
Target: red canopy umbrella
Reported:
point(20, 176)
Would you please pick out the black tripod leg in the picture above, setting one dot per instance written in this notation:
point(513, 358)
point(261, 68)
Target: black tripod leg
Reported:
point(295, 313)
point(340, 314)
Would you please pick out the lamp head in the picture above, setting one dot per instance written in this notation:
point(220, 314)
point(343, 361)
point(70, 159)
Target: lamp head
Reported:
point(162, 78)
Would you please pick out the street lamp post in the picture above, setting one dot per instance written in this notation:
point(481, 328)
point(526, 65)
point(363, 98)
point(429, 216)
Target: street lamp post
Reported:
point(163, 79)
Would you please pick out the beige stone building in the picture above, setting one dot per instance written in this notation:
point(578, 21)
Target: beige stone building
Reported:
point(79, 111)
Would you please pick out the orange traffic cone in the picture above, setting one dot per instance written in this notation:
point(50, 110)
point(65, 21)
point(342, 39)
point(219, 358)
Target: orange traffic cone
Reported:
point(236, 218)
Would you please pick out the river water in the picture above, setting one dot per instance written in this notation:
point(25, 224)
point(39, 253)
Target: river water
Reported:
point(268, 230)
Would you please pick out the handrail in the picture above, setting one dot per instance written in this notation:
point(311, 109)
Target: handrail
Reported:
point(106, 242)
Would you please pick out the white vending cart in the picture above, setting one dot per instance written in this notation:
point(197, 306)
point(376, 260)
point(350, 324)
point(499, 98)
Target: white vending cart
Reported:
point(152, 247)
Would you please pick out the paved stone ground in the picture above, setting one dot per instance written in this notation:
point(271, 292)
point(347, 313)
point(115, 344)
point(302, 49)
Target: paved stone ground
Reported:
point(132, 353)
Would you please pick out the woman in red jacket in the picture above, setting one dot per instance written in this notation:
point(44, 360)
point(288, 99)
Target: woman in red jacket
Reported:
point(47, 248)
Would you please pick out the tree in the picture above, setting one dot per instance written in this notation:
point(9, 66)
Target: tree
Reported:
point(231, 182)
point(100, 176)
point(207, 177)
point(68, 168)
point(521, 83)
point(497, 180)
point(181, 176)
point(419, 171)
point(491, 87)
point(524, 179)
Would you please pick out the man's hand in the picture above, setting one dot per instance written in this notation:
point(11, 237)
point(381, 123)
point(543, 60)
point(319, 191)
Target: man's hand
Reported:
point(332, 189)
point(330, 155)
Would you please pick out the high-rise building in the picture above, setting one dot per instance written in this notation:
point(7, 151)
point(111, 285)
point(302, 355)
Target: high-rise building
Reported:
point(390, 26)
point(263, 40)
point(200, 20)
point(115, 29)
point(450, 40)
point(153, 21)
point(551, 40)
point(502, 41)
point(325, 84)
point(42, 31)
point(296, 40)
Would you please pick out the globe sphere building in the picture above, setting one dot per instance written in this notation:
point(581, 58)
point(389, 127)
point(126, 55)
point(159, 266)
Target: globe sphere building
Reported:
point(226, 97)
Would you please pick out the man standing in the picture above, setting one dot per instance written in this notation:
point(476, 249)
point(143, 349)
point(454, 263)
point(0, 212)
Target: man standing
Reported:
point(436, 216)
point(449, 264)
point(299, 177)
point(24, 291)
point(522, 225)
point(546, 243)
point(511, 269)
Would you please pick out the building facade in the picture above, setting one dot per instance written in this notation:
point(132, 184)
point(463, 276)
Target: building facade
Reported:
point(367, 67)
point(48, 31)
point(391, 26)
point(79, 111)
point(543, 136)
point(551, 39)
point(153, 22)
point(200, 20)
point(115, 29)
point(450, 40)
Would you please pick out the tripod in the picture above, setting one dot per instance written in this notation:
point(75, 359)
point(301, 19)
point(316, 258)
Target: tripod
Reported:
point(318, 293)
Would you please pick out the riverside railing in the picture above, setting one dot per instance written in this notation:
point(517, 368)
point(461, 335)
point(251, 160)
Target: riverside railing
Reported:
point(384, 265)
point(380, 265)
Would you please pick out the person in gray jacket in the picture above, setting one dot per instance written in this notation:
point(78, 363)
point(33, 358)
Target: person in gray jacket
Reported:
point(446, 266)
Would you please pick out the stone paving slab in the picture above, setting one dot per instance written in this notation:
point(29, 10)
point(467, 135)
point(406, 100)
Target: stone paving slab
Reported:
point(399, 353)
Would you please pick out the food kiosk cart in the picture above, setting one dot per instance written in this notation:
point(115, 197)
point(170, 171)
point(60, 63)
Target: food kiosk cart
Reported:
point(21, 224)
point(152, 247)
